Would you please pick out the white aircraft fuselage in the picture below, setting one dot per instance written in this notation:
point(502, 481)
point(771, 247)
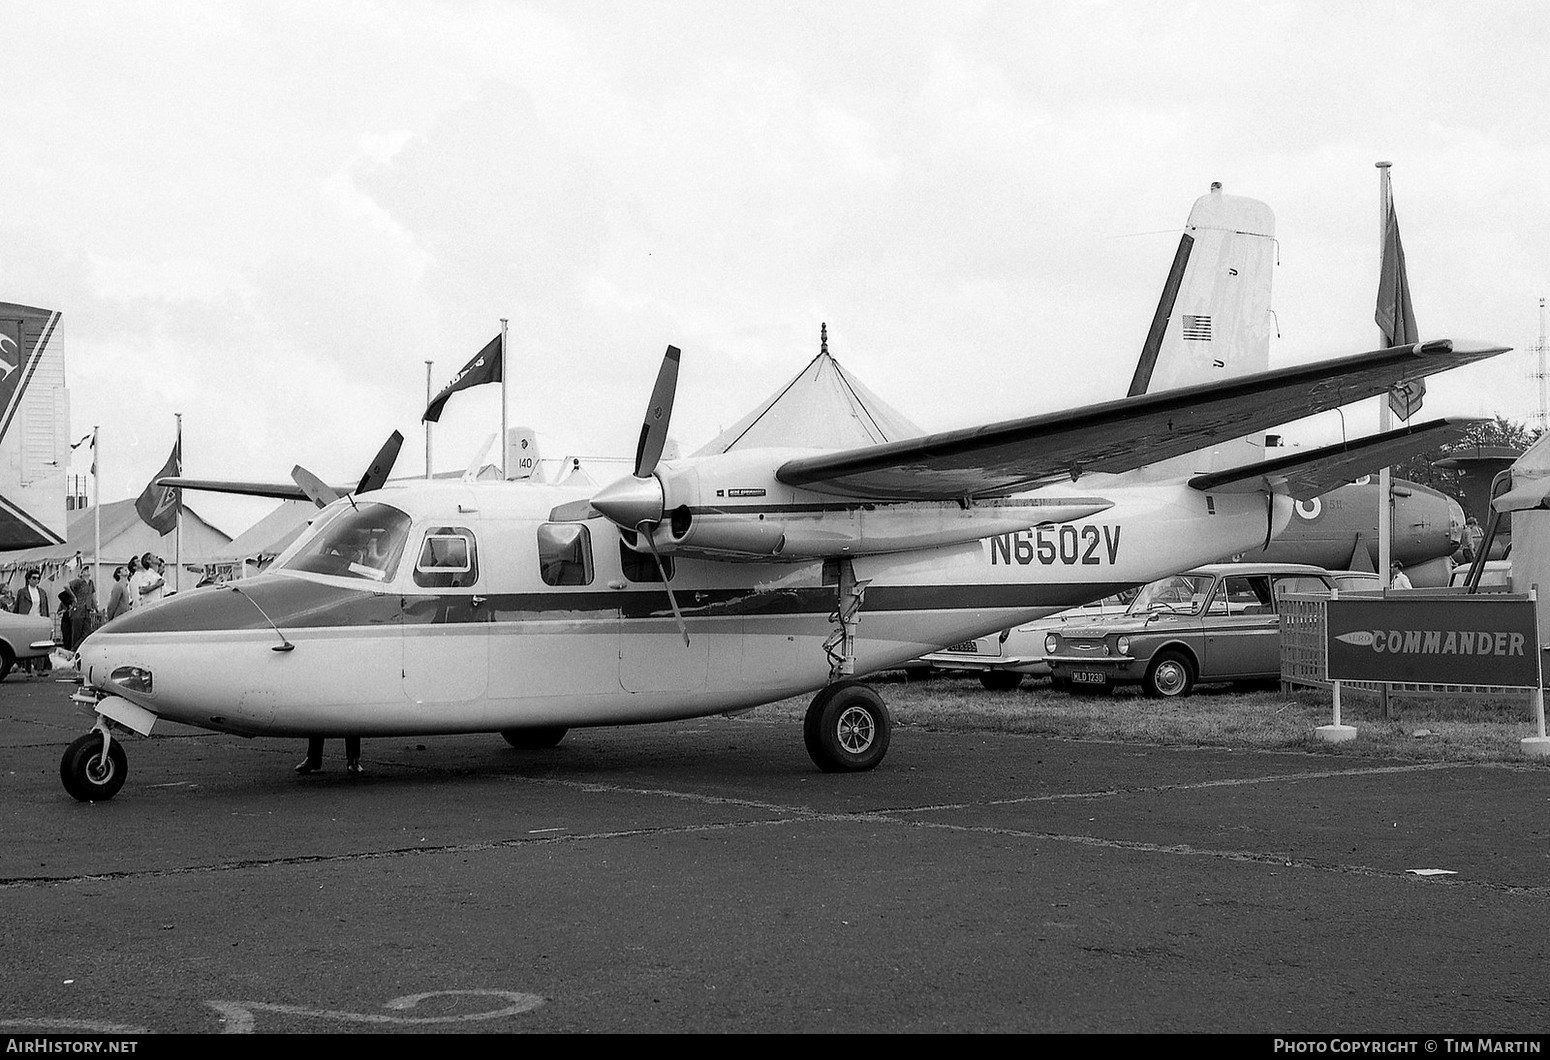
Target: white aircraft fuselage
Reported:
point(384, 654)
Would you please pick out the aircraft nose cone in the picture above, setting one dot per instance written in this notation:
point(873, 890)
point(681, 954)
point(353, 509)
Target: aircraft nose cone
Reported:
point(631, 501)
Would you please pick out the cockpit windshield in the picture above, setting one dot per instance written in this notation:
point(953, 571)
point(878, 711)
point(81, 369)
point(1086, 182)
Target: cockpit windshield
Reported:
point(1177, 594)
point(363, 542)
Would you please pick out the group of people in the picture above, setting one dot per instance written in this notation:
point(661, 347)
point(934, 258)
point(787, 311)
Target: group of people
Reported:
point(140, 583)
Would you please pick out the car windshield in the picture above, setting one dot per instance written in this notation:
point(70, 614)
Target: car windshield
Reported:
point(364, 542)
point(1177, 594)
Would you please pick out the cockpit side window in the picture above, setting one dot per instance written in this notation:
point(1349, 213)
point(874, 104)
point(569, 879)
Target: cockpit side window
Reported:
point(448, 558)
point(565, 554)
point(641, 567)
point(364, 542)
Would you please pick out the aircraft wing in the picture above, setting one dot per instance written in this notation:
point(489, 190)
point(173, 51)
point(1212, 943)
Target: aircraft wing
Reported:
point(1115, 436)
point(1309, 473)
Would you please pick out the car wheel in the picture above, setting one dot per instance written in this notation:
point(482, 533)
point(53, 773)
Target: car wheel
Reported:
point(1171, 675)
point(1001, 680)
point(7, 660)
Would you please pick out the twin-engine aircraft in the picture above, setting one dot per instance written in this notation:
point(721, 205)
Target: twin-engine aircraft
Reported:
point(741, 575)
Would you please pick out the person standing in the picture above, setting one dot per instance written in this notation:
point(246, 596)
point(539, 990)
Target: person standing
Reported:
point(314, 760)
point(145, 588)
point(1473, 538)
point(118, 599)
point(1397, 579)
point(31, 600)
point(84, 618)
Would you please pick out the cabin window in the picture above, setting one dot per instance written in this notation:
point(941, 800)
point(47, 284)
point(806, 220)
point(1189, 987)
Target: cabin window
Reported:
point(641, 567)
point(366, 541)
point(448, 558)
point(565, 554)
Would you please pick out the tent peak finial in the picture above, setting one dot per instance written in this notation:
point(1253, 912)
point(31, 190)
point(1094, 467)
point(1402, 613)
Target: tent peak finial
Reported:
point(823, 338)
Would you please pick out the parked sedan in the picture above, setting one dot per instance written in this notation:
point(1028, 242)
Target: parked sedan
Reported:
point(23, 637)
point(1003, 659)
point(1218, 622)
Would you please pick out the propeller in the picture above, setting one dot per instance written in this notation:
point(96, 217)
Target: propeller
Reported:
point(376, 476)
point(636, 502)
point(381, 466)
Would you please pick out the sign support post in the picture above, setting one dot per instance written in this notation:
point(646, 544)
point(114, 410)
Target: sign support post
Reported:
point(1538, 746)
point(1335, 732)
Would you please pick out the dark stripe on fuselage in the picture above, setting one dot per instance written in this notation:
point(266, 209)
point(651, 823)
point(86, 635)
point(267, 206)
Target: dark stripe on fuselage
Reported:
point(292, 603)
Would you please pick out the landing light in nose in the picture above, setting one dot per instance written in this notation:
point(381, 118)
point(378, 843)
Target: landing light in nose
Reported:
point(132, 678)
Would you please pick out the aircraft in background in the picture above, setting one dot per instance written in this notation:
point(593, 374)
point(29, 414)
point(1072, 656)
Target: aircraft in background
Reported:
point(34, 429)
point(1339, 531)
point(717, 582)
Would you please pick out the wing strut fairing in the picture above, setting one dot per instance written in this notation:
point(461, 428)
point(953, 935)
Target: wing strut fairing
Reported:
point(1116, 436)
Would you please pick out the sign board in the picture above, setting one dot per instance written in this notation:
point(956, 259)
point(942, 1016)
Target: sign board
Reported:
point(1453, 640)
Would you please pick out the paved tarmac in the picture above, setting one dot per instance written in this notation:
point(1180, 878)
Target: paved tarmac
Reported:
point(705, 877)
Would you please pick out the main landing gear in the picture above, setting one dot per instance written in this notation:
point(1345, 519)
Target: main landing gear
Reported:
point(94, 767)
point(847, 726)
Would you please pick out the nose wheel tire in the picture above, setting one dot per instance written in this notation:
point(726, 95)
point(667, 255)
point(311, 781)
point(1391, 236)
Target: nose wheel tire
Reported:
point(1170, 676)
point(847, 728)
point(88, 774)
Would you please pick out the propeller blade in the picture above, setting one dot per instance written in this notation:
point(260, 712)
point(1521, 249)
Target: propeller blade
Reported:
point(573, 512)
point(653, 432)
point(377, 474)
point(317, 491)
point(672, 601)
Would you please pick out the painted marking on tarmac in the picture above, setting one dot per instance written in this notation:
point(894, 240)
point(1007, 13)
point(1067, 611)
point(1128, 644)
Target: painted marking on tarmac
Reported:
point(239, 1018)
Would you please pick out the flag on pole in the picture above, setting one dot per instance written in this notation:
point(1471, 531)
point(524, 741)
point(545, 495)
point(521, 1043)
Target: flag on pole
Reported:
point(159, 505)
point(486, 367)
point(1394, 315)
point(92, 438)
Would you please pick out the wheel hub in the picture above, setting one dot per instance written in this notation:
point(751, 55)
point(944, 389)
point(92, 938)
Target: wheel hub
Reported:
point(856, 730)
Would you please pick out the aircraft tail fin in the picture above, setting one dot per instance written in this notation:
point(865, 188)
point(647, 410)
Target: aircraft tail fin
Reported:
point(1213, 321)
point(34, 429)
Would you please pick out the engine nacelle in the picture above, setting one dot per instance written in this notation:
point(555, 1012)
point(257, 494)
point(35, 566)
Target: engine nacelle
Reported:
point(731, 506)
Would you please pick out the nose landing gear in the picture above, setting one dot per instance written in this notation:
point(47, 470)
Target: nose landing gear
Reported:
point(93, 768)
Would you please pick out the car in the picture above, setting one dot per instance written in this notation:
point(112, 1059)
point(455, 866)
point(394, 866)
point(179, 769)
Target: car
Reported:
point(23, 637)
point(1004, 659)
point(1356, 581)
point(1496, 573)
point(1216, 623)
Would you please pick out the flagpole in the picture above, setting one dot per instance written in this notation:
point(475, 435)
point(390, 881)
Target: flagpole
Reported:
point(177, 541)
point(504, 373)
point(96, 488)
point(428, 422)
point(1385, 420)
point(1385, 423)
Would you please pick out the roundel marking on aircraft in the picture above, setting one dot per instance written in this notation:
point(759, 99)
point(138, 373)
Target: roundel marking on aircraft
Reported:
point(1310, 509)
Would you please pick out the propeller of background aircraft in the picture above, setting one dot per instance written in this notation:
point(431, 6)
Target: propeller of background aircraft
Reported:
point(376, 476)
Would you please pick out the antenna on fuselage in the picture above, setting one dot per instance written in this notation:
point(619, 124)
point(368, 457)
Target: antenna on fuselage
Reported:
point(284, 644)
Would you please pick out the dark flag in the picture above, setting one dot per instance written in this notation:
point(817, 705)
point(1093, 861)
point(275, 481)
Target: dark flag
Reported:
point(486, 367)
point(159, 505)
point(1395, 317)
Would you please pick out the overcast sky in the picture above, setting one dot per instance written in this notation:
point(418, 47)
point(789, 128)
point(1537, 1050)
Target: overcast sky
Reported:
point(268, 216)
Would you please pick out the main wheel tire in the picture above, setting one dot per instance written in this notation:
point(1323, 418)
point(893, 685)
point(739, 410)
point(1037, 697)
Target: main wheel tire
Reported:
point(88, 774)
point(1170, 676)
point(536, 739)
point(847, 728)
point(1001, 680)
